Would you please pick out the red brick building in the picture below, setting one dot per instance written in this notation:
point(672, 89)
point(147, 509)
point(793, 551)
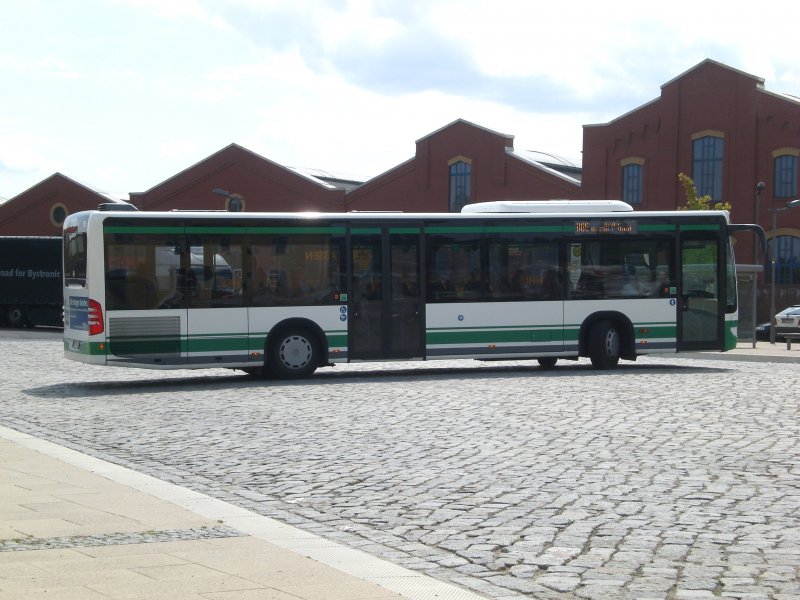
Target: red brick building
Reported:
point(41, 210)
point(455, 165)
point(716, 124)
point(722, 128)
point(463, 163)
point(263, 185)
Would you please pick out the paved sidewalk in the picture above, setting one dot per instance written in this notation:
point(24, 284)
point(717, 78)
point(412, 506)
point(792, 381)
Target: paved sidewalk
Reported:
point(763, 352)
point(76, 527)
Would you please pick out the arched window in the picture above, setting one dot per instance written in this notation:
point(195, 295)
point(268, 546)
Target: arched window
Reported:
point(785, 185)
point(57, 214)
point(707, 154)
point(632, 180)
point(460, 183)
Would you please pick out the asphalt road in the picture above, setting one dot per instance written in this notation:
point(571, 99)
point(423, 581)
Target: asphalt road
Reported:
point(666, 478)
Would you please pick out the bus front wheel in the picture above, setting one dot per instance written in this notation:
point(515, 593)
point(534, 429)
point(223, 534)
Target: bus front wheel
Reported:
point(604, 345)
point(293, 354)
point(548, 362)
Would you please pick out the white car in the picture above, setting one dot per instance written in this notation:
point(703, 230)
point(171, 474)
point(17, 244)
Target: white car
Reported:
point(787, 322)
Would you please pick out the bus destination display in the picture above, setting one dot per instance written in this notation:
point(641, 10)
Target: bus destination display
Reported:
point(595, 226)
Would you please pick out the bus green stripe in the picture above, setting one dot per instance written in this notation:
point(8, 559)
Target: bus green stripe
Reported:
point(137, 229)
point(141, 229)
point(488, 229)
point(334, 230)
point(215, 230)
point(652, 227)
point(569, 333)
point(492, 336)
point(194, 344)
point(336, 340)
point(340, 230)
point(731, 338)
point(339, 339)
point(709, 227)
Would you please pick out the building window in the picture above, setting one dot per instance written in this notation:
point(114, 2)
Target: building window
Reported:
point(786, 176)
point(57, 214)
point(460, 175)
point(787, 259)
point(234, 203)
point(707, 151)
point(632, 178)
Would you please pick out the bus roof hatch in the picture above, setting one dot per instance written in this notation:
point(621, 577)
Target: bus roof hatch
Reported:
point(548, 206)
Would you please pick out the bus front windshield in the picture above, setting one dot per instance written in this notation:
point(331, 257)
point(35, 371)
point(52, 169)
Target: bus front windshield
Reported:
point(75, 258)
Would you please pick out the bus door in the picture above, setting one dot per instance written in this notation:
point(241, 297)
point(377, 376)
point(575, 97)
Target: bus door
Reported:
point(700, 303)
point(385, 305)
point(218, 336)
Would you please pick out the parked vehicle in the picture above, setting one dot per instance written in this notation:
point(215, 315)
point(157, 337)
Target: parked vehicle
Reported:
point(787, 322)
point(282, 294)
point(31, 281)
point(762, 332)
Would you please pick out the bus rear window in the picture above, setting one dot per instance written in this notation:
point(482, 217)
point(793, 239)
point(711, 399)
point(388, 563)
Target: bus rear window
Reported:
point(75, 258)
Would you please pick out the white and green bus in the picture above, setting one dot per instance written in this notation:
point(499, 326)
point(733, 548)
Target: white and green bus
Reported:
point(285, 293)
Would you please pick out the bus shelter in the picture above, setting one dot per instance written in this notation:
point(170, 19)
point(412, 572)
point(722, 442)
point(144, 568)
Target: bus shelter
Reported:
point(747, 280)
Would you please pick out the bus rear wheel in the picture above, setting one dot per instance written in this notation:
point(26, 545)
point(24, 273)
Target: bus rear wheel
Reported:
point(548, 362)
point(293, 354)
point(605, 345)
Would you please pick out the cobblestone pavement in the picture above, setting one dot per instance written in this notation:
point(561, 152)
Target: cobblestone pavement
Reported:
point(667, 478)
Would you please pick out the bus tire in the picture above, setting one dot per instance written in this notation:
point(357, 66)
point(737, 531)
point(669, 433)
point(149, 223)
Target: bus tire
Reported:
point(605, 344)
point(548, 362)
point(15, 315)
point(293, 354)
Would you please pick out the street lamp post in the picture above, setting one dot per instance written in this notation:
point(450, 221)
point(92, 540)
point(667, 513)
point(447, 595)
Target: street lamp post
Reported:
point(773, 263)
point(759, 188)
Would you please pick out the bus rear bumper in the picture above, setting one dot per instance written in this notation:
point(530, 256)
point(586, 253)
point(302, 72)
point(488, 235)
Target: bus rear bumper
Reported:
point(84, 351)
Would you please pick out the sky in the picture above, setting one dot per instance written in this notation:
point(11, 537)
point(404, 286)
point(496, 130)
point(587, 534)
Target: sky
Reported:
point(121, 95)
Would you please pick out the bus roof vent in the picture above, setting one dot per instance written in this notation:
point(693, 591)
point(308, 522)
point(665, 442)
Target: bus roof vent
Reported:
point(548, 206)
point(116, 206)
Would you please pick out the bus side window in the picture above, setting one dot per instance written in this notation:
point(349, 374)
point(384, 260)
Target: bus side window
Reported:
point(552, 287)
point(590, 286)
point(129, 292)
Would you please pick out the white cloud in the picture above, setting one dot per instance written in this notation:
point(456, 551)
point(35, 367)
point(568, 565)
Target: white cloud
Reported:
point(345, 85)
point(43, 66)
point(177, 10)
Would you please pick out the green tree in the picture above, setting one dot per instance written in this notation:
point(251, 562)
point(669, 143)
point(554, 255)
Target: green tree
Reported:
point(695, 202)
